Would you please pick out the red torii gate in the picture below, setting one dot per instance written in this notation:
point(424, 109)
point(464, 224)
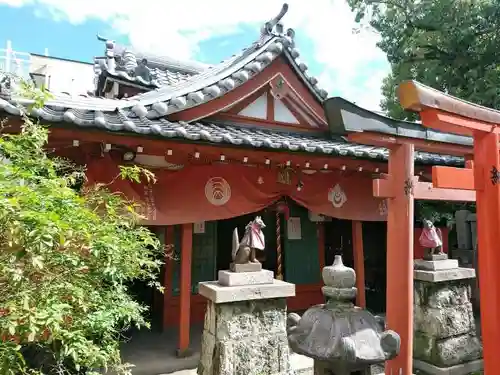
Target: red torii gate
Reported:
point(400, 186)
point(446, 113)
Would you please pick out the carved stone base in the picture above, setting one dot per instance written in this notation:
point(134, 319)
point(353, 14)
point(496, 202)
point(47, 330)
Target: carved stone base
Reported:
point(247, 267)
point(444, 327)
point(245, 337)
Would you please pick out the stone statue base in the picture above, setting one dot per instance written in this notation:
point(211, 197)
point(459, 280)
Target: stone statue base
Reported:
point(246, 267)
point(435, 257)
point(445, 340)
point(245, 325)
point(229, 278)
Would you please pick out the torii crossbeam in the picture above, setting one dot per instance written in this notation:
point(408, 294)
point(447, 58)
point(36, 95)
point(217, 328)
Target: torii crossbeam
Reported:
point(446, 113)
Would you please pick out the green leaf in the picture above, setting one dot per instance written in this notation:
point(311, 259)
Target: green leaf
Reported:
point(67, 252)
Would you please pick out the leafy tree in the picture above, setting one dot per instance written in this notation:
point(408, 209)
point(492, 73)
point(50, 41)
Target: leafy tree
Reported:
point(451, 45)
point(66, 256)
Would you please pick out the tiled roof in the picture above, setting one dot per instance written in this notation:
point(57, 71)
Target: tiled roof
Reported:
point(212, 133)
point(345, 117)
point(121, 63)
point(196, 90)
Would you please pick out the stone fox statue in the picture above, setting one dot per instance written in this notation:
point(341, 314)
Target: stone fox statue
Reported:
point(431, 239)
point(253, 239)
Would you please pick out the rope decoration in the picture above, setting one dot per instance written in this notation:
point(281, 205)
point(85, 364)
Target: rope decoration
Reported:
point(279, 260)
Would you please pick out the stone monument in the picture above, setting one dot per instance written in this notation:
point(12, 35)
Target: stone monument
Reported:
point(341, 338)
point(445, 338)
point(245, 320)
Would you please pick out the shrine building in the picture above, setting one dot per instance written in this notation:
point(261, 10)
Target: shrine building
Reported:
point(227, 142)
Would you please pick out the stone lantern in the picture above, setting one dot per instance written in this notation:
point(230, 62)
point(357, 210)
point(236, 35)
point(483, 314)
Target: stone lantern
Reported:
point(341, 338)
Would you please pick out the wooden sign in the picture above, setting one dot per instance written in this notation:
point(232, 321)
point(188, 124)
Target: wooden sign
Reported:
point(199, 228)
point(285, 176)
point(294, 230)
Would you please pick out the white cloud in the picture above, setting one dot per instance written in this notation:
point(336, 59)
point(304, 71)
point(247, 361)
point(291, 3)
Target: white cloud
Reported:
point(176, 28)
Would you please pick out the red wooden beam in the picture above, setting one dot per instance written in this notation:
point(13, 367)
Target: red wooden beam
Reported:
point(182, 152)
point(277, 68)
point(383, 188)
point(453, 178)
point(455, 124)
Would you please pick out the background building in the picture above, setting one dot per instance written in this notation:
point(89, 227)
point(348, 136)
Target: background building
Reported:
point(56, 74)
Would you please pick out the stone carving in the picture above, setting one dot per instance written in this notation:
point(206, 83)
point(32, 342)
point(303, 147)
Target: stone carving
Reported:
point(339, 336)
point(432, 240)
point(142, 70)
point(275, 27)
point(253, 239)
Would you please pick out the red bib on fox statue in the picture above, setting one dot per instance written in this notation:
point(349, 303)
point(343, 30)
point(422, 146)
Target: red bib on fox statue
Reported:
point(431, 239)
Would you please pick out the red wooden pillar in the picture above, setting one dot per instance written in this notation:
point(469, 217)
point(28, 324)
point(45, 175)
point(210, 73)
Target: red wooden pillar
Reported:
point(359, 261)
point(321, 246)
point(486, 158)
point(399, 312)
point(185, 289)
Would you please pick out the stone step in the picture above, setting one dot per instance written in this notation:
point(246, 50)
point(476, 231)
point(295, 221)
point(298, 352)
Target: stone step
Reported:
point(300, 364)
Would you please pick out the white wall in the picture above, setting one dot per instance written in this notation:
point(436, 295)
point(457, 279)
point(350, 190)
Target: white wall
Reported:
point(64, 75)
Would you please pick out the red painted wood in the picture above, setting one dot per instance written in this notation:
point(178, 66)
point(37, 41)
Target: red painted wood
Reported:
point(400, 257)
point(278, 66)
point(453, 178)
point(359, 261)
point(270, 107)
point(383, 188)
point(486, 157)
point(321, 245)
point(185, 292)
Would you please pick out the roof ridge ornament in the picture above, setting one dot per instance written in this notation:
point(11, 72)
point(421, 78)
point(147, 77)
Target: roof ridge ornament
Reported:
point(274, 27)
point(109, 52)
point(110, 44)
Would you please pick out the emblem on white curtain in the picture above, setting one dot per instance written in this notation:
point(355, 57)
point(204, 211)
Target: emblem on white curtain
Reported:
point(218, 191)
point(382, 207)
point(337, 196)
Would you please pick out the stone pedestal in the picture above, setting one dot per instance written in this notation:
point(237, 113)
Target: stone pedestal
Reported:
point(245, 325)
point(445, 340)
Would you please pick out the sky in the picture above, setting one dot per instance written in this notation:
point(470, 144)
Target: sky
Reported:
point(346, 64)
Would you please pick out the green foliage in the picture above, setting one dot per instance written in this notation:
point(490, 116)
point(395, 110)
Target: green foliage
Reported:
point(440, 212)
point(451, 45)
point(66, 257)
